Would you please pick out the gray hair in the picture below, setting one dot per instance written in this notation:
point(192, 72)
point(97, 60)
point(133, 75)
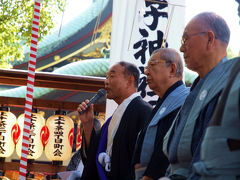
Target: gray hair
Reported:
point(171, 56)
point(215, 23)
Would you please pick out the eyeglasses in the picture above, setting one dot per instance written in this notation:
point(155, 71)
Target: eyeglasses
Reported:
point(186, 36)
point(152, 63)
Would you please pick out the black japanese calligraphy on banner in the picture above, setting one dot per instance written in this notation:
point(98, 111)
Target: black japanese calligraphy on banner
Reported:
point(151, 38)
point(138, 28)
point(155, 13)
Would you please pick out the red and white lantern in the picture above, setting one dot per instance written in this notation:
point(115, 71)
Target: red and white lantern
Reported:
point(35, 147)
point(7, 121)
point(58, 146)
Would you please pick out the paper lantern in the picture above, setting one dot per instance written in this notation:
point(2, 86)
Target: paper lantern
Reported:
point(58, 147)
point(35, 147)
point(7, 121)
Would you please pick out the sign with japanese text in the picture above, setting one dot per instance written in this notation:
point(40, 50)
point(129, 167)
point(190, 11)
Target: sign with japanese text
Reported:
point(139, 27)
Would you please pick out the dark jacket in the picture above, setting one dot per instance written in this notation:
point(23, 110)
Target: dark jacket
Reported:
point(123, 143)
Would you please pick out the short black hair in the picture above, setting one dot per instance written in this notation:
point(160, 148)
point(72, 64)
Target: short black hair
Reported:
point(131, 69)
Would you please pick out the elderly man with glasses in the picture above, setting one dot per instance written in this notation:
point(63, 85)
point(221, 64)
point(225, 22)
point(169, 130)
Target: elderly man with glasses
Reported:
point(204, 45)
point(164, 76)
point(220, 150)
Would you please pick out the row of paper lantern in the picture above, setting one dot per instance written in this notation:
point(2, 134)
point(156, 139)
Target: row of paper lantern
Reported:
point(54, 136)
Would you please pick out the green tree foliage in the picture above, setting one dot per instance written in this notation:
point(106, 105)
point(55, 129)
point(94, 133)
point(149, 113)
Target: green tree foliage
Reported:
point(231, 54)
point(16, 25)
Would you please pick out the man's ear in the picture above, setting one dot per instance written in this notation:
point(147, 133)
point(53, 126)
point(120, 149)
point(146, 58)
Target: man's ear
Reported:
point(130, 80)
point(173, 70)
point(211, 39)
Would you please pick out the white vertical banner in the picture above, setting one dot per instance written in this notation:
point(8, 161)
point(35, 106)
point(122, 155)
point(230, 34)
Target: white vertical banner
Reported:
point(138, 28)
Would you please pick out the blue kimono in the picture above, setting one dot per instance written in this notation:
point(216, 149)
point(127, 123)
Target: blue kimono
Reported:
point(220, 150)
point(148, 149)
point(183, 141)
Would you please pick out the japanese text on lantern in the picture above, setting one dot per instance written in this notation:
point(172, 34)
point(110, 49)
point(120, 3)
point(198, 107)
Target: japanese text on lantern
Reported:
point(31, 135)
point(58, 134)
point(3, 117)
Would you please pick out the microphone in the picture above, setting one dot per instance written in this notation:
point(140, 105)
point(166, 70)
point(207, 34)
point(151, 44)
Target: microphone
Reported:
point(95, 98)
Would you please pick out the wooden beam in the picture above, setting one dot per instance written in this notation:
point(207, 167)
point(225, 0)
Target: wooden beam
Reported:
point(49, 104)
point(35, 167)
point(50, 80)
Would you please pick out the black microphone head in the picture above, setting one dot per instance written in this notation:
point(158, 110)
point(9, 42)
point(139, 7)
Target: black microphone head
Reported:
point(101, 92)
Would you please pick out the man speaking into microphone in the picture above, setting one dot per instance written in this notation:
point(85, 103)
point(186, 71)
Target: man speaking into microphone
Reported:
point(107, 154)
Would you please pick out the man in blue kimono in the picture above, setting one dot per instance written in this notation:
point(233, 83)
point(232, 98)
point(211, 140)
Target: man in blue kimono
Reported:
point(204, 45)
point(220, 150)
point(164, 76)
point(107, 154)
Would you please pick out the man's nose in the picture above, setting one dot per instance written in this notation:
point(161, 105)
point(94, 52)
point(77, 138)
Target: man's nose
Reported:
point(146, 71)
point(106, 81)
point(182, 48)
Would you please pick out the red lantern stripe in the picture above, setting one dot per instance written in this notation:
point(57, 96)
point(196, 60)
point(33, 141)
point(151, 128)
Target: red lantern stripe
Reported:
point(29, 94)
